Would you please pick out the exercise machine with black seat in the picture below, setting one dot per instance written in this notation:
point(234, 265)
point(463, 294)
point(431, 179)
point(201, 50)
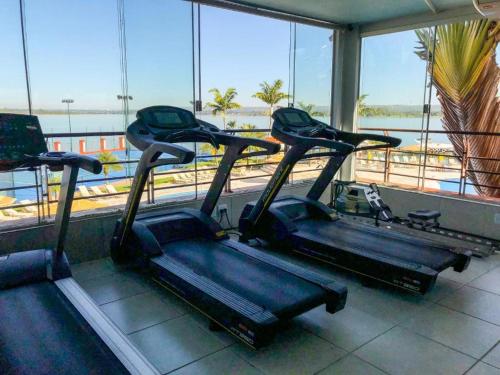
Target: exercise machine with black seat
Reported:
point(245, 291)
point(363, 203)
point(48, 324)
point(306, 226)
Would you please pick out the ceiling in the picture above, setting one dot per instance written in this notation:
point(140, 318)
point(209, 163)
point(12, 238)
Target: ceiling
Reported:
point(354, 11)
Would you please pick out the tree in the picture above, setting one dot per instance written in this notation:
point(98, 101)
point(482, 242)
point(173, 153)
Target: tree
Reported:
point(223, 103)
point(466, 78)
point(271, 95)
point(363, 109)
point(108, 157)
point(309, 108)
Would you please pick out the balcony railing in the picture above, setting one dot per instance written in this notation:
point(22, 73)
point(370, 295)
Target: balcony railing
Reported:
point(430, 165)
point(186, 182)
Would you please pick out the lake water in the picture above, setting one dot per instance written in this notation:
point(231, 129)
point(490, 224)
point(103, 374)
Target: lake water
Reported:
point(115, 123)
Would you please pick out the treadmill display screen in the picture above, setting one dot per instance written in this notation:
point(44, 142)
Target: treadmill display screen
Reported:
point(20, 135)
point(296, 119)
point(293, 118)
point(169, 119)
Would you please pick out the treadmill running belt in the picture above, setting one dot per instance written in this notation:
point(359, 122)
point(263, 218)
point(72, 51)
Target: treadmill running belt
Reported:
point(42, 333)
point(265, 285)
point(344, 235)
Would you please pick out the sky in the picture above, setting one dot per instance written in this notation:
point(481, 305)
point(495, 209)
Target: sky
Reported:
point(74, 52)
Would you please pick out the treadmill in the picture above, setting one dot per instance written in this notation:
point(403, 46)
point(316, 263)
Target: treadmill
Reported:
point(48, 324)
point(245, 291)
point(306, 226)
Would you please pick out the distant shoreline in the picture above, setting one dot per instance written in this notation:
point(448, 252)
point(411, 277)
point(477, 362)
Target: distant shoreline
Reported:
point(247, 112)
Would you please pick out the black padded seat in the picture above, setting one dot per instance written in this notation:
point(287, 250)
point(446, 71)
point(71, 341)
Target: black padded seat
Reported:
point(424, 214)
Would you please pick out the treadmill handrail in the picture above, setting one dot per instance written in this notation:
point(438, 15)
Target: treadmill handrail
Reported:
point(181, 155)
point(150, 159)
point(357, 138)
point(60, 159)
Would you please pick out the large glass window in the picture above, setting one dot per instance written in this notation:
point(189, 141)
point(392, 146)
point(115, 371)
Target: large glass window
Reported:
point(244, 58)
point(437, 90)
point(13, 93)
point(74, 61)
point(313, 70)
point(393, 87)
point(159, 57)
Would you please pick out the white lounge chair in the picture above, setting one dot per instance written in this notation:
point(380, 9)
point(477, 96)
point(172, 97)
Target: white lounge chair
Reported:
point(31, 208)
point(96, 190)
point(111, 189)
point(13, 213)
point(4, 217)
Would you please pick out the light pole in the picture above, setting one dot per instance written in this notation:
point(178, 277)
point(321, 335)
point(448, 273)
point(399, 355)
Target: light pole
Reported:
point(68, 102)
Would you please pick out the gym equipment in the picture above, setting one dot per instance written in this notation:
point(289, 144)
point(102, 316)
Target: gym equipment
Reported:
point(305, 225)
point(48, 324)
point(370, 208)
point(243, 290)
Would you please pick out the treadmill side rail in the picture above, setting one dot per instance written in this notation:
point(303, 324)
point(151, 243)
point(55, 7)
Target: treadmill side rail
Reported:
point(250, 323)
point(117, 342)
point(336, 293)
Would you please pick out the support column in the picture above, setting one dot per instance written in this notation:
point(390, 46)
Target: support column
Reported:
point(346, 87)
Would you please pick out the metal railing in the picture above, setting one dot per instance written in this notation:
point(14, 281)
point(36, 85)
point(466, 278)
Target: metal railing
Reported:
point(424, 160)
point(186, 182)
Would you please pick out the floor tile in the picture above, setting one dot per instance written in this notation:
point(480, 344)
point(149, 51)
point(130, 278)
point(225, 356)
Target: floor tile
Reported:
point(112, 288)
point(458, 331)
point(351, 365)
point(477, 267)
point(140, 311)
point(348, 329)
point(483, 369)
point(93, 269)
point(493, 357)
point(478, 303)
point(175, 343)
point(489, 281)
point(204, 322)
point(402, 352)
point(443, 288)
point(292, 352)
point(220, 363)
point(394, 306)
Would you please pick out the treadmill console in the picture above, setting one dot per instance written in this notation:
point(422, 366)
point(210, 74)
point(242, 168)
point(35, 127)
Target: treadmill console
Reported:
point(167, 124)
point(292, 122)
point(20, 137)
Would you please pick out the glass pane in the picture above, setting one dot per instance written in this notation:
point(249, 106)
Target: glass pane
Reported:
point(249, 54)
point(74, 58)
point(313, 70)
point(312, 85)
point(160, 72)
point(13, 95)
point(74, 62)
point(392, 94)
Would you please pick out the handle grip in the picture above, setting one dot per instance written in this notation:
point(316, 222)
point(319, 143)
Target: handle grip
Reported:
point(90, 164)
point(57, 160)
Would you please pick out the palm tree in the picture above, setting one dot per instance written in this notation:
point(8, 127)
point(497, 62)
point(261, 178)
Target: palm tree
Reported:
point(310, 109)
point(466, 78)
point(362, 107)
point(271, 95)
point(108, 157)
point(223, 103)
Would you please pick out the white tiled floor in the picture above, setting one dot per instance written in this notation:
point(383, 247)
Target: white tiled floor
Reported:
point(454, 329)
